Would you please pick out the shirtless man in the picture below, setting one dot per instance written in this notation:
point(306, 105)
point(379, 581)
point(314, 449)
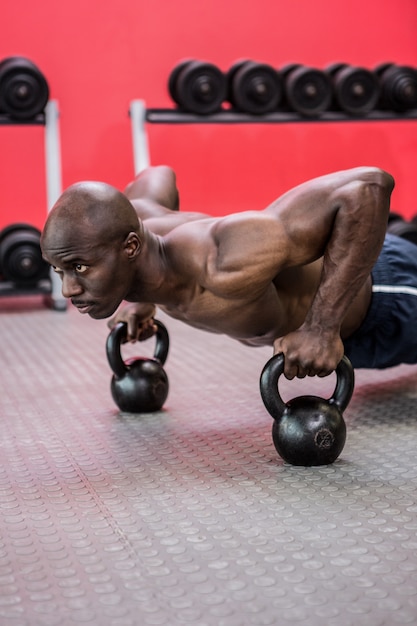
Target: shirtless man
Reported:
point(295, 276)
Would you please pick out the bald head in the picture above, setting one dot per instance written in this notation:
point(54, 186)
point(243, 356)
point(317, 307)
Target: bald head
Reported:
point(92, 238)
point(93, 206)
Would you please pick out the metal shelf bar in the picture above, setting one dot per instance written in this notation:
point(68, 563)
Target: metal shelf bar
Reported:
point(172, 116)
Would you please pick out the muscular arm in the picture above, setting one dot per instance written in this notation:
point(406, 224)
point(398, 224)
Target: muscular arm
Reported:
point(340, 218)
point(350, 227)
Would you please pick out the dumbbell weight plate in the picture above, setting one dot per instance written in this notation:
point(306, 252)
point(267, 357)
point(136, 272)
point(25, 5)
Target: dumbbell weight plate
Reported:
point(256, 88)
point(402, 228)
point(308, 90)
point(173, 77)
point(24, 91)
point(393, 217)
point(21, 259)
point(398, 87)
point(200, 88)
point(230, 74)
point(356, 89)
point(333, 68)
point(286, 69)
point(380, 69)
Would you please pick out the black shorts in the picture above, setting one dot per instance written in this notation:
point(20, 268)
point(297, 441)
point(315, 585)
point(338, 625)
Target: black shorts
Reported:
point(388, 335)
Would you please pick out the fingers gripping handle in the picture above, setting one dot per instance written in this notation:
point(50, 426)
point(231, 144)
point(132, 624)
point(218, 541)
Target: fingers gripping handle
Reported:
point(275, 367)
point(118, 335)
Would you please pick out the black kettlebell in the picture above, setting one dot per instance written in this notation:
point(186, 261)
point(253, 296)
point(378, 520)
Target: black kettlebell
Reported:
point(307, 430)
point(139, 385)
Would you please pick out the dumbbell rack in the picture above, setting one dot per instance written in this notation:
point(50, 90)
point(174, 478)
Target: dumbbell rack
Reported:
point(50, 288)
point(140, 115)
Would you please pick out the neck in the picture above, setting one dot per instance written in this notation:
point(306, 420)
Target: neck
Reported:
point(152, 281)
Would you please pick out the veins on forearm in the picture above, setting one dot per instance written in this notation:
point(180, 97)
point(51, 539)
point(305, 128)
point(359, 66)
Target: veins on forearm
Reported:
point(348, 259)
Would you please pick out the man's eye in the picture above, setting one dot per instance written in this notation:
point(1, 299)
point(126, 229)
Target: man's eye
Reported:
point(80, 268)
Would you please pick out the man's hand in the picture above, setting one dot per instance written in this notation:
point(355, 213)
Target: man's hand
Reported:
point(308, 353)
point(139, 319)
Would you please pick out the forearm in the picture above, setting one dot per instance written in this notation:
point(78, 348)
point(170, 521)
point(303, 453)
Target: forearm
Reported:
point(356, 233)
point(354, 245)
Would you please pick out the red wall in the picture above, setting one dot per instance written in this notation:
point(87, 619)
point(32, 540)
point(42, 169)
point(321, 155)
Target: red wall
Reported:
point(98, 55)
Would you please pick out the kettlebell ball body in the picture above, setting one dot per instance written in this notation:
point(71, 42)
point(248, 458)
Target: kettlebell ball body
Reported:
point(307, 430)
point(310, 432)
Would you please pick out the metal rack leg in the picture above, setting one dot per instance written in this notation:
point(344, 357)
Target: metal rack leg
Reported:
point(141, 156)
point(53, 187)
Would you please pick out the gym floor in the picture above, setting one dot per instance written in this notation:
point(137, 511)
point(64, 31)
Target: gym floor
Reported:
point(188, 516)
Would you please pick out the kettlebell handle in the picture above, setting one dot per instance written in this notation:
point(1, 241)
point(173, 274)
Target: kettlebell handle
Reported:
point(275, 367)
point(117, 336)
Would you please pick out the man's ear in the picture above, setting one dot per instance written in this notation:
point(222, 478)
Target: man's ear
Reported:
point(132, 245)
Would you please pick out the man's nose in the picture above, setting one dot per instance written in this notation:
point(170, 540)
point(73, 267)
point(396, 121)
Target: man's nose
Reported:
point(70, 286)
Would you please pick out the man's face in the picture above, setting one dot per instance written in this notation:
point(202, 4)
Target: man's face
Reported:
point(95, 277)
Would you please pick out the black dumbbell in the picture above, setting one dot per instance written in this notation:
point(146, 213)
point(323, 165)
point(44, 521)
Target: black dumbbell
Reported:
point(355, 89)
point(21, 259)
point(254, 87)
point(197, 87)
point(24, 91)
point(400, 227)
point(398, 85)
point(308, 90)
